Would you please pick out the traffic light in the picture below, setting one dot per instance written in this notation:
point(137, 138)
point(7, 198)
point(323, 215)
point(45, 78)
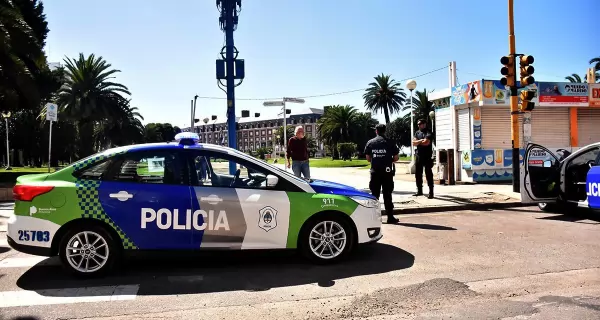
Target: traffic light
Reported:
point(526, 70)
point(508, 71)
point(526, 103)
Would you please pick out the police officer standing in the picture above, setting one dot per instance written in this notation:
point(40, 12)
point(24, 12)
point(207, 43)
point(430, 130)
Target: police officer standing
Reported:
point(382, 153)
point(423, 157)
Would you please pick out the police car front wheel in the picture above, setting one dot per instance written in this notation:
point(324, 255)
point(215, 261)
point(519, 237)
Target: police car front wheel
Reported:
point(88, 251)
point(327, 240)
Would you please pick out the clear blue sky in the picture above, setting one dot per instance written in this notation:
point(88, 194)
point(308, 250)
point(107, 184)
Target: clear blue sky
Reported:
point(167, 52)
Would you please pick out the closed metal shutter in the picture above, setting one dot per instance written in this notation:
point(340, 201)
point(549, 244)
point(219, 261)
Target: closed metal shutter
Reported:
point(588, 125)
point(464, 129)
point(443, 129)
point(550, 127)
point(495, 128)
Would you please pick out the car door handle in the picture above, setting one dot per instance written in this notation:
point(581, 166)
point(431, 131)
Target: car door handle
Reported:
point(212, 199)
point(121, 195)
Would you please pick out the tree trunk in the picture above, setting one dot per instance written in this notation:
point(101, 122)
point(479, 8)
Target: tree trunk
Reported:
point(387, 116)
point(86, 139)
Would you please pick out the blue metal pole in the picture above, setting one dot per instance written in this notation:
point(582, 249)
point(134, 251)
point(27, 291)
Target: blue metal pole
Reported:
point(229, 7)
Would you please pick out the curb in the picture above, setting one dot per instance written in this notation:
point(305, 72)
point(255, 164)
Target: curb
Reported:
point(477, 206)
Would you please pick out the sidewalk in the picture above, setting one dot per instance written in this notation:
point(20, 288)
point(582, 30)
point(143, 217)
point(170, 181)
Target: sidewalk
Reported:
point(447, 198)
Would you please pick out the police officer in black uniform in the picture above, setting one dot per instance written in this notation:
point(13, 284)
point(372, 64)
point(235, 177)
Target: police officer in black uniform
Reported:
point(382, 153)
point(423, 157)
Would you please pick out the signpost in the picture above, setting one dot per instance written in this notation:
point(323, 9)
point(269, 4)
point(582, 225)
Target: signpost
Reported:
point(281, 103)
point(51, 115)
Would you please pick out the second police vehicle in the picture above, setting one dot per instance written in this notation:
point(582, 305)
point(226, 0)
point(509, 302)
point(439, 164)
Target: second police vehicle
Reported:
point(561, 182)
point(184, 195)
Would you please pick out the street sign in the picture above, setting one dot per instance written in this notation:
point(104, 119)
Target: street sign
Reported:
point(51, 112)
point(294, 100)
point(272, 103)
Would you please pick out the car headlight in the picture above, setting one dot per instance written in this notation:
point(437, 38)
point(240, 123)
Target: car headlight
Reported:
point(366, 202)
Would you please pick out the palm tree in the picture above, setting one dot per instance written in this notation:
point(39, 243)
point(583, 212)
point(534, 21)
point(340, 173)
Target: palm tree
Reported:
point(575, 78)
point(89, 97)
point(384, 95)
point(363, 130)
point(421, 106)
point(21, 54)
point(596, 63)
point(337, 124)
point(124, 127)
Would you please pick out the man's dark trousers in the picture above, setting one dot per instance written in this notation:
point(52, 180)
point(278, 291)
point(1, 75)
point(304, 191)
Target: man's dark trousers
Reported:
point(385, 181)
point(424, 163)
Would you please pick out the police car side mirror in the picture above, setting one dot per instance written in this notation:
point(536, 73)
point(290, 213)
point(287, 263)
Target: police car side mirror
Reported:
point(272, 181)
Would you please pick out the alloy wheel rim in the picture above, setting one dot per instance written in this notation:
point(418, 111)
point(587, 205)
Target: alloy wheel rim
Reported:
point(327, 239)
point(87, 251)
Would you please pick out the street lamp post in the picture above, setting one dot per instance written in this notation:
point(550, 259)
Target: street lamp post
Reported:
point(281, 103)
point(432, 116)
point(411, 85)
point(6, 116)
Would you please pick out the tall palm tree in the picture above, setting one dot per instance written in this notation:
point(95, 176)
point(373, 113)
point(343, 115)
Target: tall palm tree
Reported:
point(21, 56)
point(421, 106)
point(337, 124)
point(384, 95)
point(596, 63)
point(88, 96)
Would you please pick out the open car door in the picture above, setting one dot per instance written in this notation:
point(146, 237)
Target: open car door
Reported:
point(540, 177)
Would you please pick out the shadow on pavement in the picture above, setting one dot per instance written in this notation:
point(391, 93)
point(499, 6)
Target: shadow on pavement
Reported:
point(191, 273)
point(577, 216)
point(424, 226)
point(4, 249)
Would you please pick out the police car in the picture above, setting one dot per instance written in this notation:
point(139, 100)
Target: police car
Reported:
point(184, 195)
point(561, 182)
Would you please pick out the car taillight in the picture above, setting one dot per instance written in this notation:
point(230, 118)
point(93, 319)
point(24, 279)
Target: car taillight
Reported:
point(27, 193)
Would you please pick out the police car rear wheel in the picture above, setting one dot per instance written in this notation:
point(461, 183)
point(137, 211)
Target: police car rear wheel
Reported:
point(327, 240)
point(88, 251)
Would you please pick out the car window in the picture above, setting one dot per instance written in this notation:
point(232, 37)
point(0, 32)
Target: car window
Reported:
point(585, 158)
point(158, 167)
point(95, 172)
point(213, 170)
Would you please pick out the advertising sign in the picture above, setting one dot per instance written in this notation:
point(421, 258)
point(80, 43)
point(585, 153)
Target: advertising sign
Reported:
point(466, 159)
point(466, 93)
point(495, 93)
point(494, 158)
point(477, 127)
point(594, 94)
point(563, 94)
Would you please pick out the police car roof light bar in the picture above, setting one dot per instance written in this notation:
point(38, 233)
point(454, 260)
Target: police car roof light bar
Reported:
point(187, 138)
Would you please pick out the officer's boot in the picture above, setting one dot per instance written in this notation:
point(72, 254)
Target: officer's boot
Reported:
point(419, 192)
point(430, 192)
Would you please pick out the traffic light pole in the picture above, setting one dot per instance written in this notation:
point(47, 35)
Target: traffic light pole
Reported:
point(514, 101)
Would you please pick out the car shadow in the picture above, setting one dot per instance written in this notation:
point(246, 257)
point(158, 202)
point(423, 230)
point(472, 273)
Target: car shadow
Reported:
point(424, 226)
point(577, 216)
point(172, 273)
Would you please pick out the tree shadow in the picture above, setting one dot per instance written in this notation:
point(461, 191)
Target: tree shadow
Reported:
point(425, 226)
point(191, 273)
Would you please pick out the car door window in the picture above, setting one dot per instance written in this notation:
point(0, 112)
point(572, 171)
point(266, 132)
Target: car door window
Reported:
point(576, 173)
point(95, 172)
point(156, 167)
point(213, 170)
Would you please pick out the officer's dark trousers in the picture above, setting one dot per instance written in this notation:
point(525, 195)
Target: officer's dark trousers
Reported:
point(383, 181)
point(423, 163)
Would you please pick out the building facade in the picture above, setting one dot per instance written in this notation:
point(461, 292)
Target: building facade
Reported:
point(259, 132)
point(476, 125)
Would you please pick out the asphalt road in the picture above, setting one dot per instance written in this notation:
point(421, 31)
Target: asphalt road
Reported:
point(509, 264)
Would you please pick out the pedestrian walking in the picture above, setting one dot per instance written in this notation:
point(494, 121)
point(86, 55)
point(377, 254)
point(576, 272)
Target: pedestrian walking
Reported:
point(382, 153)
point(297, 151)
point(422, 139)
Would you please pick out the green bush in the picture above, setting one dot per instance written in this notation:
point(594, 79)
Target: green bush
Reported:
point(346, 150)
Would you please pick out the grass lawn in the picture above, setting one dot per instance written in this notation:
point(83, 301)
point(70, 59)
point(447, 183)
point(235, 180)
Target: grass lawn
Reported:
point(28, 170)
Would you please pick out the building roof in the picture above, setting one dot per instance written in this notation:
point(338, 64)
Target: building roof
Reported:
point(295, 112)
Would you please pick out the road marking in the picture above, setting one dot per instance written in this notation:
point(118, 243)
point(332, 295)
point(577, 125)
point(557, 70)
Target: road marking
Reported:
point(23, 298)
point(28, 262)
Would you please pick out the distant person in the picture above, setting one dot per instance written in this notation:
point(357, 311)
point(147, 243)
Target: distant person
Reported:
point(297, 151)
point(382, 153)
point(423, 157)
